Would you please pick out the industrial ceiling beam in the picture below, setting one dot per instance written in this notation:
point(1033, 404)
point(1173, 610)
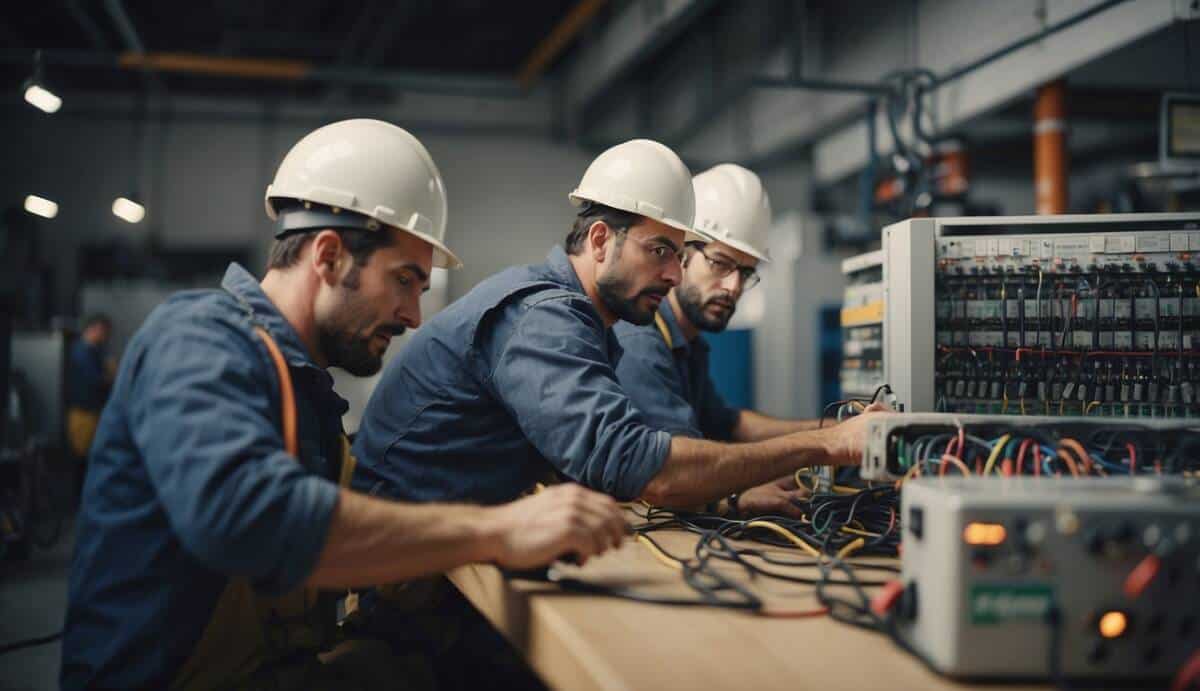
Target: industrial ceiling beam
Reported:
point(129, 34)
point(281, 70)
point(90, 29)
point(550, 47)
point(629, 38)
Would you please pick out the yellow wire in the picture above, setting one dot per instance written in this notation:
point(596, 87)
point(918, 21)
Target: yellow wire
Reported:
point(659, 554)
point(1023, 405)
point(787, 534)
point(1004, 408)
point(851, 548)
point(908, 476)
point(1091, 405)
point(1060, 406)
point(996, 451)
point(855, 531)
point(837, 489)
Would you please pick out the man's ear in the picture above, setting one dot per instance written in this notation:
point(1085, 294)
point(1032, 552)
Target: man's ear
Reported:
point(328, 255)
point(598, 235)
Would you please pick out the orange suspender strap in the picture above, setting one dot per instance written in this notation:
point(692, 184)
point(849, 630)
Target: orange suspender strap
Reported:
point(287, 397)
point(662, 328)
point(287, 394)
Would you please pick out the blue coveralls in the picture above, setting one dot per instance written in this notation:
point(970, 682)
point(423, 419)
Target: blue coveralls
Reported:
point(515, 378)
point(671, 384)
point(188, 485)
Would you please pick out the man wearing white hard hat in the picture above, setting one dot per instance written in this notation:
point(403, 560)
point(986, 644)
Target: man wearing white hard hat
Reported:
point(518, 377)
point(665, 368)
point(217, 531)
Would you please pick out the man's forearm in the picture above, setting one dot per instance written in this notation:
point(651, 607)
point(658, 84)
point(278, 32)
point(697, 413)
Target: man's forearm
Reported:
point(373, 541)
point(698, 471)
point(753, 426)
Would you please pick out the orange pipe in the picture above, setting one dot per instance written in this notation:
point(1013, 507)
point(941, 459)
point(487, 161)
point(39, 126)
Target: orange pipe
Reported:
point(556, 42)
point(218, 66)
point(1050, 148)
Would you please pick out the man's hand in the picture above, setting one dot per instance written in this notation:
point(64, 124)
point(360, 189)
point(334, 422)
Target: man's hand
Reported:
point(558, 521)
point(775, 498)
point(847, 438)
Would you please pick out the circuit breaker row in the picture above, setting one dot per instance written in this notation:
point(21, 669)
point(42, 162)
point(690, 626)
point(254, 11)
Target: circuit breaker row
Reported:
point(1072, 325)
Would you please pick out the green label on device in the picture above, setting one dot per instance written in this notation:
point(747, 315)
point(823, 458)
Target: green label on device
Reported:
point(995, 604)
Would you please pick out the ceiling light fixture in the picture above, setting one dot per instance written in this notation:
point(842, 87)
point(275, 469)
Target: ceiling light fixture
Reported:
point(36, 92)
point(40, 206)
point(128, 210)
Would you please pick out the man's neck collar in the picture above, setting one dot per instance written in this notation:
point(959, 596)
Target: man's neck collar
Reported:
point(294, 302)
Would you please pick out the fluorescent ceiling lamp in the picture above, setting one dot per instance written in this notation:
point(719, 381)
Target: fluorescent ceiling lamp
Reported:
point(42, 99)
point(128, 210)
point(39, 206)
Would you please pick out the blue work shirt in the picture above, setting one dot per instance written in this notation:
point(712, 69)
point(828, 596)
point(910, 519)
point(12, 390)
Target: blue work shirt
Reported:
point(512, 380)
point(188, 485)
point(671, 384)
point(86, 388)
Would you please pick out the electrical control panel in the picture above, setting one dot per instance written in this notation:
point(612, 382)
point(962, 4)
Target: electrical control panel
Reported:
point(862, 325)
point(1048, 315)
point(1035, 578)
point(897, 445)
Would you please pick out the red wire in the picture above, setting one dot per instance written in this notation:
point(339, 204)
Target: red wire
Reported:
point(1037, 460)
point(1188, 674)
point(1021, 455)
point(1068, 353)
point(1142, 576)
point(1132, 457)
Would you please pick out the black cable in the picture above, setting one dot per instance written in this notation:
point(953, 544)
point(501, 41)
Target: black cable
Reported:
point(879, 390)
point(29, 643)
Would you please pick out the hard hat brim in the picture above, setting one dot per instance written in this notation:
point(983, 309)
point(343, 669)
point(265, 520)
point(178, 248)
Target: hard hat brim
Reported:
point(762, 256)
point(691, 234)
point(443, 258)
point(307, 220)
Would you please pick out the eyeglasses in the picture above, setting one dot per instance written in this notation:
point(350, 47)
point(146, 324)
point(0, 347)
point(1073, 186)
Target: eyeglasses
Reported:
point(723, 267)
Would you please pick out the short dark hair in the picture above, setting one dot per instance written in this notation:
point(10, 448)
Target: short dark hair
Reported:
point(620, 222)
point(98, 318)
point(361, 244)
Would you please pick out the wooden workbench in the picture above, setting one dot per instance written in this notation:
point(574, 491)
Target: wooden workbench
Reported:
point(582, 642)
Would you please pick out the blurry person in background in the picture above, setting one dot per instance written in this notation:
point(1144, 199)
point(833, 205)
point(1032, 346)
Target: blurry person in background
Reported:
point(89, 378)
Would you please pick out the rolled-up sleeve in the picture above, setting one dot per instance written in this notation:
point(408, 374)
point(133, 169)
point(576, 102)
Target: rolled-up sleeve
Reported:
point(556, 381)
point(647, 373)
point(201, 416)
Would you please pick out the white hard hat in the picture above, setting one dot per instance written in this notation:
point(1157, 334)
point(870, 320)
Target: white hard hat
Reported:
point(361, 174)
point(733, 208)
point(642, 177)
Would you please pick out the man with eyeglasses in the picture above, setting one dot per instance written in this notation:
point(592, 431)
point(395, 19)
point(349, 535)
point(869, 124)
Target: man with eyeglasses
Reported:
point(518, 377)
point(665, 368)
